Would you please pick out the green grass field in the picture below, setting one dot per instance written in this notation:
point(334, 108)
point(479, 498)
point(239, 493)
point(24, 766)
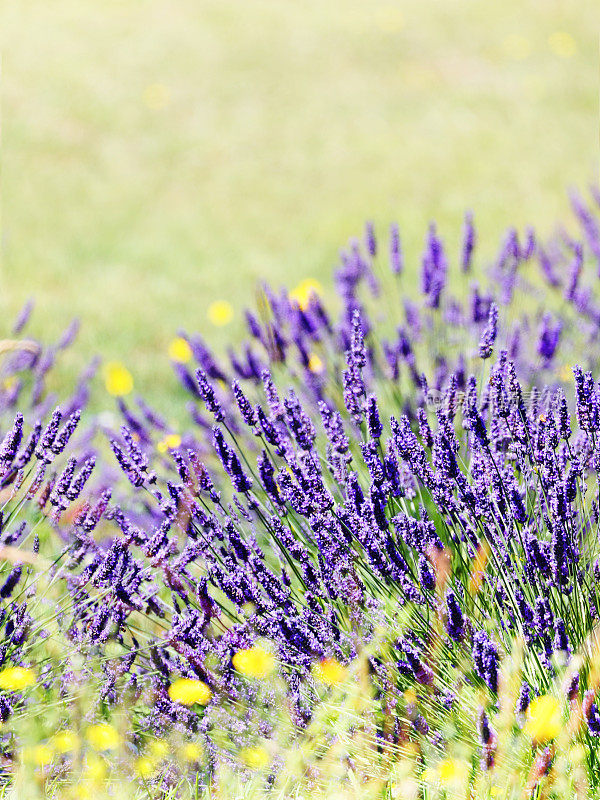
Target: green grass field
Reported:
point(159, 156)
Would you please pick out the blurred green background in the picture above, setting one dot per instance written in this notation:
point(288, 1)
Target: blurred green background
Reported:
point(159, 156)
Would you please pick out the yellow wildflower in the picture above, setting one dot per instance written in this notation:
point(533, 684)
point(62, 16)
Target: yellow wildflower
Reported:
point(544, 718)
point(220, 312)
point(158, 748)
point(410, 696)
point(329, 671)
point(447, 770)
point(180, 351)
point(188, 691)
point(565, 373)
point(191, 751)
point(144, 766)
point(315, 364)
point(95, 768)
point(103, 736)
point(255, 757)
point(255, 662)
point(452, 772)
point(117, 379)
point(65, 741)
point(15, 679)
point(40, 755)
point(562, 44)
point(171, 442)
point(303, 292)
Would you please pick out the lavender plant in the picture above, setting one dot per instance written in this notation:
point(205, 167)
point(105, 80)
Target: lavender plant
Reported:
point(413, 487)
point(450, 471)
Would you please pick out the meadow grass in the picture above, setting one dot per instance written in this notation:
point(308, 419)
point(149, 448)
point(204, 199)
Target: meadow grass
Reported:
point(159, 156)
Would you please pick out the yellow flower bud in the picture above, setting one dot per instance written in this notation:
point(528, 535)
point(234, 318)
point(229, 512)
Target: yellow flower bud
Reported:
point(103, 736)
point(188, 691)
point(329, 671)
point(255, 662)
point(15, 679)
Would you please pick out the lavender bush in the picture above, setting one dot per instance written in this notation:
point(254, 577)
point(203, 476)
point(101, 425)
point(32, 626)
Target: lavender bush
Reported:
point(451, 471)
point(412, 487)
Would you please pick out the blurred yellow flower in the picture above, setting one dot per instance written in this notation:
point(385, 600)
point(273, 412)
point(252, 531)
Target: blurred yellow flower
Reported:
point(517, 46)
point(117, 379)
point(315, 364)
point(65, 741)
point(179, 350)
point(171, 442)
point(303, 292)
point(255, 757)
point(144, 766)
point(40, 755)
point(329, 671)
point(188, 691)
point(410, 696)
point(158, 748)
point(220, 312)
point(255, 662)
point(156, 96)
point(544, 718)
point(191, 751)
point(447, 770)
point(103, 736)
point(452, 772)
point(562, 44)
point(95, 768)
point(15, 679)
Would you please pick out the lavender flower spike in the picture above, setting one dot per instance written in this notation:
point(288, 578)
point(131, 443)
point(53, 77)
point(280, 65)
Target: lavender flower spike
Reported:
point(488, 337)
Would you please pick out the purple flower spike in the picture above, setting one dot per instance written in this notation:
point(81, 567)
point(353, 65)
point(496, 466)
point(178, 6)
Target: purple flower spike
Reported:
point(207, 393)
point(396, 258)
point(10, 444)
point(488, 337)
point(373, 421)
point(455, 621)
point(370, 240)
point(47, 438)
point(485, 657)
point(469, 239)
point(488, 740)
point(523, 701)
point(246, 410)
